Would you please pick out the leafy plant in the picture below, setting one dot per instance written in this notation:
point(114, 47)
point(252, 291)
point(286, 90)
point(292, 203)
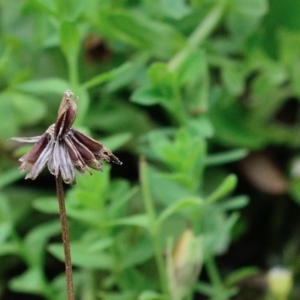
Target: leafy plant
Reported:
point(181, 89)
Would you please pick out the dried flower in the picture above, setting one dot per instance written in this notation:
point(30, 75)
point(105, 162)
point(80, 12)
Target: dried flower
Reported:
point(64, 148)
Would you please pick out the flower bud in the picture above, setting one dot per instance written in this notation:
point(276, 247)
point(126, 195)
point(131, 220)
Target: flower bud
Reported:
point(280, 281)
point(184, 262)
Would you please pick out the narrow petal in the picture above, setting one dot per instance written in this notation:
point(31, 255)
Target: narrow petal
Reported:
point(87, 155)
point(99, 151)
point(87, 141)
point(75, 156)
point(39, 165)
point(68, 94)
point(66, 115)
point(53, 162)
point(66, 165)
point(33, 155)
point(94, 164)
point(107, 155)
point(32, 139)
point(115, 160)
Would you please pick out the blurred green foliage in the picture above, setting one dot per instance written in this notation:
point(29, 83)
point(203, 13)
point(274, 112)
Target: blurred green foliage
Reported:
point(165, 83)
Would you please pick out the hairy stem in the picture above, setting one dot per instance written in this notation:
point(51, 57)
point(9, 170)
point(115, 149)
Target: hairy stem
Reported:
point(65, 237)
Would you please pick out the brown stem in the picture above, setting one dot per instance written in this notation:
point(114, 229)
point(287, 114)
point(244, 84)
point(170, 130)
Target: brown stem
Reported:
point(65, 237)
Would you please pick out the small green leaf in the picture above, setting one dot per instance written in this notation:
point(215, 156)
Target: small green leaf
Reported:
point(10, 249)
point(245, 16)
point(146, 96)
point(151, 295)
point(27, 109)
point(172, 190)
point(18, 109)
point(5, 231)
point(234, 203)
point(223, 189)
point(5, 209)
point(201, 126)
point(178, 206)
point(100, 245)
point(141, 220)
point(72, 9)
point(138, 253)
point(34, 242)
point(189, 68)
point(83, 257)
point(235, 127)
point(216, 236)
point(126, 295)
point(138, 30)
point(239, 275)
point(91, 192)
point(119, 198)
point(226, 157)
point(47, 7)
point(116, 141)
point(233, 78)
point(9, 177)
point(46, 205)
point(176, 9)
point(164, 81)
point(108, 76)
point(92, 217)
point(204, 288)
point(29, 282)
point(44, 86)
point(183, 178)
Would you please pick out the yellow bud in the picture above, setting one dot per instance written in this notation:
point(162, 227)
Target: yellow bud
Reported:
point(280, 282)
point(184, 262)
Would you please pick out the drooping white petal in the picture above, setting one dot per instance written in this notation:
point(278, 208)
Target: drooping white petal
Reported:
point(39, 165)
point(60, 161)
point(32, 139)
point(66, 165)
point(53, 162)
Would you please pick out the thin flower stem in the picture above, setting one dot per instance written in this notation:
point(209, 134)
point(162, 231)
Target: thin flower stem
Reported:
point(153, 228)
point(204, 29)
point(65, 237)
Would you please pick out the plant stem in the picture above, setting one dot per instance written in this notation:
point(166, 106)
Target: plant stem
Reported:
point(205, 27)
point(65, 237)
point(214, 276)
point(153, 228)
point(73, 72)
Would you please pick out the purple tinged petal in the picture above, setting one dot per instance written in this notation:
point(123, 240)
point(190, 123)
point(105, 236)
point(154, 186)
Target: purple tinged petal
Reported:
point(40, 163)
point(33, 155)
point(88, 157)
point(94, 146)
point(89, 142)
point(66, 115)
point(115, 160)
point(75, 156)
